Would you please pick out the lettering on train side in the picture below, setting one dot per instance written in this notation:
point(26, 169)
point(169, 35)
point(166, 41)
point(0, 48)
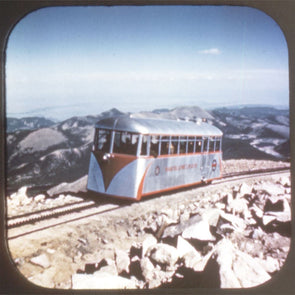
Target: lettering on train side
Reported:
point(181, 167)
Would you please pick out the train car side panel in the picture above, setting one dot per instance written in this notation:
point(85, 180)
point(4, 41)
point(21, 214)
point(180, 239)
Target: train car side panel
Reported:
point(171, 172)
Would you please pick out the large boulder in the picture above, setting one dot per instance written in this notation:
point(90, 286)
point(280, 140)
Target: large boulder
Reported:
point(199, 231)
point(190, 256)
point(238, 269)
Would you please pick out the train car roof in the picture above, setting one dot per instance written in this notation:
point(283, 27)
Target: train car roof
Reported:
point(158, 126)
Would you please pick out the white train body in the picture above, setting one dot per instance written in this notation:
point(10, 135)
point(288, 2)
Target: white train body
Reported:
point(133, 157)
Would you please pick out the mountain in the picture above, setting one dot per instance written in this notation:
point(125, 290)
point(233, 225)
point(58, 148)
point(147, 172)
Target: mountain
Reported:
point(30, 123)
point(254, 132)
point(48, 156)
point(60, 152)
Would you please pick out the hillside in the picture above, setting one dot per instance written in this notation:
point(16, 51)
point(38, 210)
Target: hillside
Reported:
point(254, 133)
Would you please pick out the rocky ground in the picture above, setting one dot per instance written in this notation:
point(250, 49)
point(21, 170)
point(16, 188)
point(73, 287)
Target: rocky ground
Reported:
point(230, 235)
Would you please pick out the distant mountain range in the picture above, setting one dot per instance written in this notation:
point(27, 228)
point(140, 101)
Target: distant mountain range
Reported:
point(43, 153)
point(30, 123)
point(254, 132)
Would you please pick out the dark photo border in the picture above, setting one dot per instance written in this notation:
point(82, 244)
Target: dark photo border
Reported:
point(11, 12)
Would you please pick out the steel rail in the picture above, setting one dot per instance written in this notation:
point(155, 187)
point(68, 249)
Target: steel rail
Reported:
point(82, 206)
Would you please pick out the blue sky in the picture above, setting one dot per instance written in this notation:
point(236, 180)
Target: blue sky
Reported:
point(68, 61)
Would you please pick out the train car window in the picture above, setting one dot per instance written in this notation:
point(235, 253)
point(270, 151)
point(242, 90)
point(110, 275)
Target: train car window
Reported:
point(117, 142)
point(218, 145)
point(173, 148)
point(125, 143)
point(205, 145)
point(165, 141)
point(155, 142)
point(198, 145)
point(103, 140)
point(191, 144)
point(211, 144)
point(144, 145)
point(182, 144)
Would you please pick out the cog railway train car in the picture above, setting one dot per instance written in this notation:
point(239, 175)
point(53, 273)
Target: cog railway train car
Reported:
point(136, 157)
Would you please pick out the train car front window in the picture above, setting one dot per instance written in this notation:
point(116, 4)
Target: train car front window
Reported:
point(125, 143)
point(103, 140)
point(211, 144)
point(218, 145)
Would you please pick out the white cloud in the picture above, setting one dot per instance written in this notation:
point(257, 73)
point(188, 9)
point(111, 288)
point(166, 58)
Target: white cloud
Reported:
point(212, 51)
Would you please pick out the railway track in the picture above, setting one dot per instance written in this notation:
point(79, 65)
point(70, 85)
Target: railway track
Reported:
point(48, 218)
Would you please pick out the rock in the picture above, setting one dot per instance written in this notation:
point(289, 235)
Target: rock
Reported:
point(20, 197)
point(277, 241)
point(185, 216)
point(223, 227)
point(171, 216)
point(239, 206)
point(122, 261)
point(110, 269)
point(155, 276)
point(175, 230)
point(189, 254)
point(147, 243)
point(270, 265)
point(39, 198)
point(151, 228)
point(245, 189)
point(212, 216)
point(101, 281)
point(256, 212)
point(184, 247)
point(285, 181)
point(237, 222)
point(228, 198)
point(50, 251)
point(199, 231)
point(41, 260)
point(163, 254)
point(271, 189)
point(238, 269)
point(147, 269)
point(267, 219)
